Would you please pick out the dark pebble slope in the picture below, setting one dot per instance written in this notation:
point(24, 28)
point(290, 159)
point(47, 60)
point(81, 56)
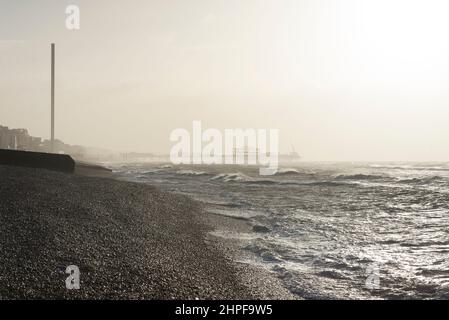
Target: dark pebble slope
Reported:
point(130, 241)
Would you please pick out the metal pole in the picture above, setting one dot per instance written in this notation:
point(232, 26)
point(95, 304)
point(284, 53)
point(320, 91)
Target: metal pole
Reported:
point(52, 97)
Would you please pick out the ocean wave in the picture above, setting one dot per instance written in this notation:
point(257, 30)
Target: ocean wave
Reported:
point(324, 183)
point(242, 178)
point(328, 184)
point(431, 168)
point(236, 214)
point(359, 177)
point(287, 171)
point(221, 203)
point(192, 173)
point(147, 172)
point(294, 172)
point(141, 177)
point(231, 177)
point(410, 167)
point(263, 252)
point(424, 244)
point(261, 181)
point(422, 180)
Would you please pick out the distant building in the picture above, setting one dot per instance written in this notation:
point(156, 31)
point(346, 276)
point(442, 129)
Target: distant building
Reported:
point(35, 144)
point(8, 139)
point(19, 139)
point(3, 137)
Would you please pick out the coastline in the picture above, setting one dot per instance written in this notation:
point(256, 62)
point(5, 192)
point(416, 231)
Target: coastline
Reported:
point(130, 241)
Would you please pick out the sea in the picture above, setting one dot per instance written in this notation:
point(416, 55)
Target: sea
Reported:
point(329, 230)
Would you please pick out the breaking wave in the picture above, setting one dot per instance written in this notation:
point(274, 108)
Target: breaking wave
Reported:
point(287, 171)
point(231, 177)
point(192, 173)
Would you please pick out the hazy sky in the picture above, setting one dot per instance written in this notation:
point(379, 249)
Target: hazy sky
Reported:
point(341, 79)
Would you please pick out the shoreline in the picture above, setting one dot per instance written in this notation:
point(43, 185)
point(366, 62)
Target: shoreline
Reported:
point(266, 284)
point(130, 241)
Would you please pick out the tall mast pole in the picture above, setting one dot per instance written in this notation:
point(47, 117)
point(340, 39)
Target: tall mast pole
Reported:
point(52, 97)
